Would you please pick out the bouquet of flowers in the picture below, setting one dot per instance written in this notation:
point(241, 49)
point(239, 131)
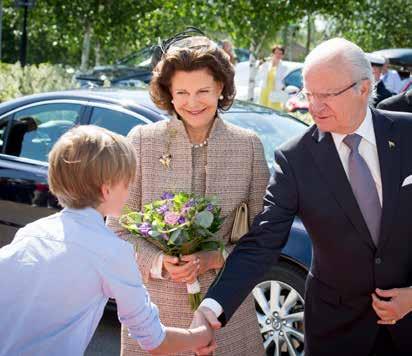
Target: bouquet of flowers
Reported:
point(178, 224)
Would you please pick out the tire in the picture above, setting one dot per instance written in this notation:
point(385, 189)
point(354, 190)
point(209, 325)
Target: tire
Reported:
point(279, 302)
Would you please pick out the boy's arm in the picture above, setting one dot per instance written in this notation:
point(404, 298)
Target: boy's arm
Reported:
point(122, 281)
point(179, 340)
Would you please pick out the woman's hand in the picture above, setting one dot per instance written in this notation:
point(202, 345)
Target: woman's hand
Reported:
point(206, 260)
point(181, 271)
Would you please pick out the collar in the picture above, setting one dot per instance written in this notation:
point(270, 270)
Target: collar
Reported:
point(89, 213)
point(177, 124)
point(365, 130)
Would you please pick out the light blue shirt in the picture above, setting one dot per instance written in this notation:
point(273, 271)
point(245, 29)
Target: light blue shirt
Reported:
point(55, 279)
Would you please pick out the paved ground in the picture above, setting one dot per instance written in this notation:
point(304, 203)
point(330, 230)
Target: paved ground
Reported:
point(106, 339)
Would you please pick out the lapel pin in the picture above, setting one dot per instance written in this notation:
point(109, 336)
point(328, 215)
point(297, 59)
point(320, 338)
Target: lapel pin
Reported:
point(391, 145)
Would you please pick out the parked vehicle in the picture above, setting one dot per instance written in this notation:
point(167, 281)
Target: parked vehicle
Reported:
point(297, 102)
point(397, 56)
point(29, 126)
point(132, 71)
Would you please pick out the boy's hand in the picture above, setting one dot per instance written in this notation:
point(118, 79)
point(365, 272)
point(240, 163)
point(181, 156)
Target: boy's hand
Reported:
point(206, 318)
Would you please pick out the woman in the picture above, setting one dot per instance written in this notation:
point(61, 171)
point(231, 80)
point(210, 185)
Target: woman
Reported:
point(271, 76)
point(195, 152)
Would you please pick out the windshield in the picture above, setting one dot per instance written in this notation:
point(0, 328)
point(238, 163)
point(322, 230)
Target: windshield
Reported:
point(272, 129)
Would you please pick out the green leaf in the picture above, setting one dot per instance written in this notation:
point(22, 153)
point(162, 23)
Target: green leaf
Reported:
point(175, 235)
point(210, 246)
point(154, 233)
point(204, 219)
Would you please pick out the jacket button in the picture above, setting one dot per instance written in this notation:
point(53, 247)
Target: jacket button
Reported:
point(378, 261)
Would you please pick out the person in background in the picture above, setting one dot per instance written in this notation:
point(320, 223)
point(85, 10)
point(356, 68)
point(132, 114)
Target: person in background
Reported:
point(228, 48)
point(406, 78)
point(59, 272)
point(380, 91)
point(390, 78)
point(270, 79)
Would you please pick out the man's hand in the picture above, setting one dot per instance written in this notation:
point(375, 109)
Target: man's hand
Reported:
point(396, 308)
point(205, 317)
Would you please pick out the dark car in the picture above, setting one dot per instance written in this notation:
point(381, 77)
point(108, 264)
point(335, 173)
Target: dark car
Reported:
point(134, 70)
point(29, 127)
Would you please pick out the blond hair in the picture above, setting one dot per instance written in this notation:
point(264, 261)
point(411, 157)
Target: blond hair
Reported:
point(85, 158)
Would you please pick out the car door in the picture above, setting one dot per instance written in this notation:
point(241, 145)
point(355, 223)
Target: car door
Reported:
point(27, 135)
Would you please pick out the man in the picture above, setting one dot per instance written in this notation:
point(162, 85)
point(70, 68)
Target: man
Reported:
point(391, 78)
point(380, 89)
point(336, 177)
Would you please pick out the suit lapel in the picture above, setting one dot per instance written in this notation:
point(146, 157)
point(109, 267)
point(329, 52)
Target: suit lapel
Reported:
point(388, 144)
point(328, 161)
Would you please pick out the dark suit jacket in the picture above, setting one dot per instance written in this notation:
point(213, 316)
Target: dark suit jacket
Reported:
point(310, 182)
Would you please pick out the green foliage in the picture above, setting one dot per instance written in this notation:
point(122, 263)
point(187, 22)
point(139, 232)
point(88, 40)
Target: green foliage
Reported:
point(56, 28)
point(15, 82)
point(377, 24)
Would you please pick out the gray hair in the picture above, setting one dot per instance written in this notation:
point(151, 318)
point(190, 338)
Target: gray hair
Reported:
point(347, 52)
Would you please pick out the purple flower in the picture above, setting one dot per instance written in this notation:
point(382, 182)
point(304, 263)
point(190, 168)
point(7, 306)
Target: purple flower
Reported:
point(167, 195)
point(184, 211)
point(162, 209)
point(165, 237)
point(171, 218)
point(181, 220)
point(145, 229)
point(209, 207)
point(190, 203)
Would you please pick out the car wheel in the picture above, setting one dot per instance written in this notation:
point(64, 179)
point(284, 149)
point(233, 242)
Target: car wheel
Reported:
point(279, 307)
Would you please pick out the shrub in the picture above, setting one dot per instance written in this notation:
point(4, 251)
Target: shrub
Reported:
point(15, 81)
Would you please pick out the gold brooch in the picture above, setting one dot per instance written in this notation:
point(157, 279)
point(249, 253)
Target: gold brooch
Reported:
point(166, 158)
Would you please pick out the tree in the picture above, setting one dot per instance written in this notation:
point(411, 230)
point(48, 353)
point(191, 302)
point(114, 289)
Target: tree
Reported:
point(376, 24)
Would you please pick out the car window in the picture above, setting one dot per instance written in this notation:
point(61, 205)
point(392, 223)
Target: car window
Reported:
point(272, 129)
point(34, 131)
point(294, 78)
point(113, 120)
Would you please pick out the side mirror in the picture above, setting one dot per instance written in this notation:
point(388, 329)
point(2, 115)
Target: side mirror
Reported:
point(291, 90)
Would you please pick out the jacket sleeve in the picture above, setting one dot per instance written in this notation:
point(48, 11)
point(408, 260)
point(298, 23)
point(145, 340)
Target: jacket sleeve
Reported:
point(146, 252)
point(258, 250)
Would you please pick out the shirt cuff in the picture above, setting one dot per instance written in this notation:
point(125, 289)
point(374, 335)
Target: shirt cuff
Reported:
point(212, 305)
point(225, 254)
point(157, 267)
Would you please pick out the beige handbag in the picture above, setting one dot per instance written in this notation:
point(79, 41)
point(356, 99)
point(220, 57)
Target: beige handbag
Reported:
point(240, 223)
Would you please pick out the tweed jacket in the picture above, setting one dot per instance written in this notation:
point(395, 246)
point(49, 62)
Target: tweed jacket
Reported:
point(236, 172)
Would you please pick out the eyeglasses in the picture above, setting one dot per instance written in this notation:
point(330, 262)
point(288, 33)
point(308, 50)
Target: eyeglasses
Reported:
point(326, 96)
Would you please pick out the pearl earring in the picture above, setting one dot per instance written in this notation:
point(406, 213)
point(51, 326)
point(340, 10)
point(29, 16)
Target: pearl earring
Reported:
point(172, 101)
point(221, 97)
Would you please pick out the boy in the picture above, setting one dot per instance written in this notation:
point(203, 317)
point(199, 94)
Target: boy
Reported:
point(59, 271)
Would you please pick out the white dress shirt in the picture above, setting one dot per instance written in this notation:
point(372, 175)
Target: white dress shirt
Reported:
point(367, 149)
point(56, 277)
point(392, 81)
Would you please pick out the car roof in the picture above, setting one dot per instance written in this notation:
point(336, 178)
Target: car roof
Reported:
point(399, 56)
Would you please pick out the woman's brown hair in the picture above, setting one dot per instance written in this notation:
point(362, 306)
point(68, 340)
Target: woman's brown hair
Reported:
point(187, 55)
